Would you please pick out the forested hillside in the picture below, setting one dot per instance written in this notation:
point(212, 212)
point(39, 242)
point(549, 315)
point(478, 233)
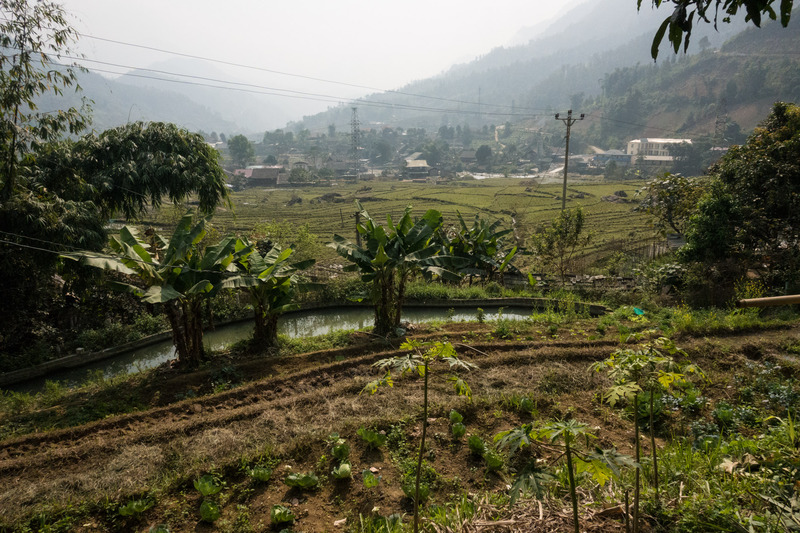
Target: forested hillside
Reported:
point(596, 60)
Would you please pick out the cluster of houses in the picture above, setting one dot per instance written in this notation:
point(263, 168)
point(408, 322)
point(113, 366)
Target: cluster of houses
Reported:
point(646, 152)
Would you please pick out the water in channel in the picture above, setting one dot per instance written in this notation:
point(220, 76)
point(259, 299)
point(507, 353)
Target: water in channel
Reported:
point(297, 324)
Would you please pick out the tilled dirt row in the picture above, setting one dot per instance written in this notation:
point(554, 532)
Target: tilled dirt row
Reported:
point(310, 395)
point(298, 388)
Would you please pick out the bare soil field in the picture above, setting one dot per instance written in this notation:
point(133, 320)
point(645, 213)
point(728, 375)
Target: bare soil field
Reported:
point(287, 407)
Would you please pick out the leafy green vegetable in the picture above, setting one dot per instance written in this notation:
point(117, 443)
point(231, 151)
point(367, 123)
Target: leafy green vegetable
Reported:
point(373, 439)
point(135, 507)
point(476, 445)
point(209, 511)
point(494, 460)
point(409, 488)
point(342, 471)
point(281, 515)
point(341, 451)
point(527, 405)
point(302, 481)
point(455, 417)
point(260, 473)
point(207, 485)
point(458, 430)
point(370, 480)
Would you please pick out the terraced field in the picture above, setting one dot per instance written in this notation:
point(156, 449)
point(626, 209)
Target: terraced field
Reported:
point(523, 204)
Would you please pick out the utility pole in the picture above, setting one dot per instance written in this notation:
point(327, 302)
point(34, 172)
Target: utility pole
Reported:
point(569, 121)
point(355, 134)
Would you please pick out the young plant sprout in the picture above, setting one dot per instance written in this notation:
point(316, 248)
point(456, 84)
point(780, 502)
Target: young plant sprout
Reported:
point(421, 355)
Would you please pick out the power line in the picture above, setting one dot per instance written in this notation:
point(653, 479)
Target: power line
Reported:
point(322, 98)
point(294, 75)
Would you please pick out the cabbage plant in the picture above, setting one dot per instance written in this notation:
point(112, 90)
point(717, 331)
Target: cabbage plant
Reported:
point(343, 471)
point(281, 514)
point(302, 481)
point(209, 511)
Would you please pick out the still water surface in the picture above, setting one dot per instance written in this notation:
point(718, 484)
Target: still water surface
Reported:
point(297, 324)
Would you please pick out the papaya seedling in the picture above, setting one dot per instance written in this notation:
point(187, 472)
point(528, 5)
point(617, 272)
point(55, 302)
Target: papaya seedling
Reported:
point(645, 369)
point(420, 357)
point(476, 445)
point(456, 417)
point(458, 430)
point(568, 431)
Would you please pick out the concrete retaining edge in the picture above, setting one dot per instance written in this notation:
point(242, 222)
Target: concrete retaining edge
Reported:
point(80, 359)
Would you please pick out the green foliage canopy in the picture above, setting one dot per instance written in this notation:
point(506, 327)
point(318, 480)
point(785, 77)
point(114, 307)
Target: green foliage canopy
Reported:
point(389, 258)
point(241, 150)
point(678, 26)
point(750, 217)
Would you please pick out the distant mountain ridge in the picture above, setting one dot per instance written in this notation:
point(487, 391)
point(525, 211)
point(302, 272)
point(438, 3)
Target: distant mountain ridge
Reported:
point(570, 57)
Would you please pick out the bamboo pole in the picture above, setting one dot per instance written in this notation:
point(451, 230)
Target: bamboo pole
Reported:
point(770, 301)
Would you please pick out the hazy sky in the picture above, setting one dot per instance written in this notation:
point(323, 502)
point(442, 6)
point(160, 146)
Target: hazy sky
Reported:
point(373, 43)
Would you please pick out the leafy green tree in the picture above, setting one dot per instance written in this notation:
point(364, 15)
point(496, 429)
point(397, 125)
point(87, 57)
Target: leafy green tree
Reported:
point(679, 25)
point(34, 37)
point(483, 155)
point(671, 199)
point(480, 247)
point(241, 150)
point(54, 195)
point(750, 215)
point(421, 356)
point(272, 282)
point(128, 169)
point(556, 245)
point(390, 257)
point(299, 175)
point(178, 273)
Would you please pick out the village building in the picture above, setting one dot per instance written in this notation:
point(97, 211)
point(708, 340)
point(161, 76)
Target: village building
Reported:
point(263, 175)
point(653, 152)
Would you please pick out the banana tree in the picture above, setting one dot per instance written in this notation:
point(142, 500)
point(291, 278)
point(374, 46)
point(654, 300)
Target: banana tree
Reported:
point(272, 281)
point(390, 257)
point(177, 273)
point(480, 246)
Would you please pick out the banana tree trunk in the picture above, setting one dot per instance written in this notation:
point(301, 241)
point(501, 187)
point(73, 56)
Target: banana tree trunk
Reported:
point(265, 333)
point(186, 320)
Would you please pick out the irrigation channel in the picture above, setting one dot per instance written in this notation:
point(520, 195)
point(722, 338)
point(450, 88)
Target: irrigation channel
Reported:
point(297, 324)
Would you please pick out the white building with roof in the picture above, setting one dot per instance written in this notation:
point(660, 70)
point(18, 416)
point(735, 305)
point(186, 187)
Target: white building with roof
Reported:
point(652, 151)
